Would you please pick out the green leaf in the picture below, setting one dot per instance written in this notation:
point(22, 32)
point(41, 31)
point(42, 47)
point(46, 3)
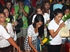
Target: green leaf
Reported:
point(66, 17)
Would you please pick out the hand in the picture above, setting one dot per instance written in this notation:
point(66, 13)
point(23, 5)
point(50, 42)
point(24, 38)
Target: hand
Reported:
point(15, 23)
point(21, 6)
point(41, 43)
point(35, 50)
point(19, 50)
point(62, 25)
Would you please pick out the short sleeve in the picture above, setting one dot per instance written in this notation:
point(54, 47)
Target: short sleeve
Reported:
point(26, 8)
point(29, 32)
point(50, 26)
point(4, 33)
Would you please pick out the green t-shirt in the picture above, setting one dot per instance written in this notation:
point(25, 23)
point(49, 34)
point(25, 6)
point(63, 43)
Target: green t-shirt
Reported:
point(24, 18)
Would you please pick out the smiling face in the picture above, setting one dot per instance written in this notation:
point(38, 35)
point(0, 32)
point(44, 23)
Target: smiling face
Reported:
point(39, 24)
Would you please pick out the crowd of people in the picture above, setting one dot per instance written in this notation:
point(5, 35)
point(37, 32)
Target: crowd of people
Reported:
point(23, 23)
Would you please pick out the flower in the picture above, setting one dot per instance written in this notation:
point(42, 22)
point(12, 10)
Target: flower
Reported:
point(46, 40)
point(66, 17)
point(7, 19)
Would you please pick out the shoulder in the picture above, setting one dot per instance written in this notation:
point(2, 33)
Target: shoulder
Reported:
point(46, 15)
point(51, 23)
point(1, 26)
point(30, 27)
point(9, 24)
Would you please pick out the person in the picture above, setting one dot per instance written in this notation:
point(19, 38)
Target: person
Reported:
point(66, 11)
point(56, 41)
point(9, 5)
point(46, 5)
point(30, 42)
point(9, 17)
point(6, 38)
point(58, 5)
point(42, 29)
point(40, 10)
point(21, 12)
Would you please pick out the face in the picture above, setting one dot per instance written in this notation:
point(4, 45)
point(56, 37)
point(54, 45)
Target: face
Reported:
point(39, 11)
point(6, 12)
point(2, 17)
point(67, 11)
point(47, 6)
point(8, 5)
point(39, 24)
point(20, 3)
point(58, 17)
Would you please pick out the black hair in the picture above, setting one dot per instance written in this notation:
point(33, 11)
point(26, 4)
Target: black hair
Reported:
point(59, 0)
point(2, 13)
point(44, 4)
point(5, 8)
point(65, 7)
point(9, 2)
point(38, 18)
point(57, 11)
point(39, 6)
point(20, 0)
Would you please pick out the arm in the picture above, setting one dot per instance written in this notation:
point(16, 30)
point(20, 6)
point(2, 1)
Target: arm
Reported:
point(13, 43)
point(31, 45)
point(6, 36)
point(24, 12)
point(53, 34)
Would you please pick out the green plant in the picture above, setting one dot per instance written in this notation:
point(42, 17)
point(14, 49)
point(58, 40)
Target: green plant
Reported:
point(46, 40)
point(66, 17)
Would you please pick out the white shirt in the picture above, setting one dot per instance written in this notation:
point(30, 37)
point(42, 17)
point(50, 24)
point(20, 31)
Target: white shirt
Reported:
point(57, 39)
point(31, 33)
point(10, 31)
point(4, 35)
point(46, 18)
point(68, 23)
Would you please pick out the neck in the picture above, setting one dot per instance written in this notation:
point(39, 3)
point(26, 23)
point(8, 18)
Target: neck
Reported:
point(47, 11)
point(36, 30)
point(3, 24)
point(56, 21)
